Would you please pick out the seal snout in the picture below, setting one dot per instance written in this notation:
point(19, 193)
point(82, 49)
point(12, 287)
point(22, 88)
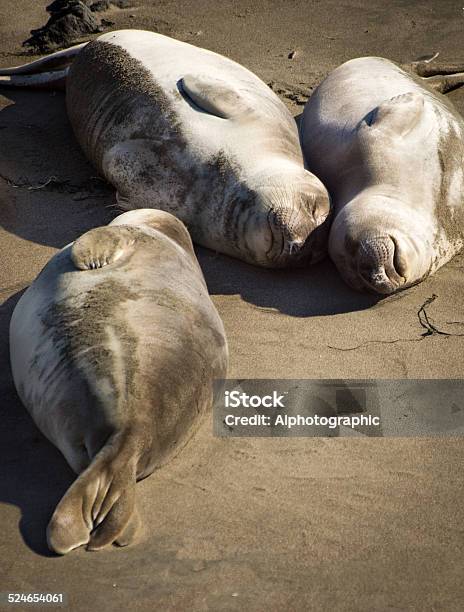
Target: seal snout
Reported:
point(291, 235)
point(380, 265)
point(301, 229)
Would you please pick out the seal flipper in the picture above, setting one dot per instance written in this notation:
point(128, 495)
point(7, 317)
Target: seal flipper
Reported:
point(428, 68)
point(99, 507)
point(103, 246)
point(43, 80)
point(399, 115)
point(54, 61)
point(446, 82)
point(131, 532)
point(122, 514)
point(48, 72)
point(215, 96)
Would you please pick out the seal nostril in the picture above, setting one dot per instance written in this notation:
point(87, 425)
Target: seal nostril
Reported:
point(375, 264)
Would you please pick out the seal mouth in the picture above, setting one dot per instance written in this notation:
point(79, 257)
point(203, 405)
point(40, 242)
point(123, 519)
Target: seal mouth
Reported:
point(381, 265)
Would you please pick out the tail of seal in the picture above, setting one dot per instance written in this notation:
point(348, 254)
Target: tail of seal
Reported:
point(440, 76)
point(49, 72)
point(99, 507)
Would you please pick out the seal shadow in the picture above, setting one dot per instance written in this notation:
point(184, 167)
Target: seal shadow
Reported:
point(50, 194)
point(316, 290)
point(80, 201)
point(34, 475)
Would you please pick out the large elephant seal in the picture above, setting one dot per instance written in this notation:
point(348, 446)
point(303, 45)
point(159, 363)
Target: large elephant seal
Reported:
point(180, 128)
point(390, 149)
point(114, 348)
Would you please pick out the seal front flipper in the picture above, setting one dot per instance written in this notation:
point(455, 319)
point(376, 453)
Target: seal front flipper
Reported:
point(131, 164)
point(147, 172)
point(215, 96)
point(103, 246)
point(399, 115)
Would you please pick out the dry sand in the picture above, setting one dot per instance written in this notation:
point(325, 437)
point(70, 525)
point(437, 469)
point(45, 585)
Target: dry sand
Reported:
point(243, 524)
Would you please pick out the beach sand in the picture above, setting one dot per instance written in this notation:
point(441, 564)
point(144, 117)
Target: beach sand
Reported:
point(245, 524)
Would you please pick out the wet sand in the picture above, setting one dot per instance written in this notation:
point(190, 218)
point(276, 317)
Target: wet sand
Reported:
point(245, 524)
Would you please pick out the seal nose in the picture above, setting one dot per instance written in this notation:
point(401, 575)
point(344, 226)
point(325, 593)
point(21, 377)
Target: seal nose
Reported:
point(291, 236)
point(380, 265)
point(301, 230)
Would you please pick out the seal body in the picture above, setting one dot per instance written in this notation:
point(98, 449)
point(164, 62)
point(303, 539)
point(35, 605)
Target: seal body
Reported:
point(183, 129)
point(114, 349)
point(390, 150)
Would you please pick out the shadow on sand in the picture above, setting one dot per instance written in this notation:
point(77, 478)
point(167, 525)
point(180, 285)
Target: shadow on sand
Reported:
point(50, 193)
point(300, 292)
point(33, 475)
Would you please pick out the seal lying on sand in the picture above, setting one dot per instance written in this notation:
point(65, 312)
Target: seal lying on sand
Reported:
point(191, 132)
point(390, 151)
point(114, 349)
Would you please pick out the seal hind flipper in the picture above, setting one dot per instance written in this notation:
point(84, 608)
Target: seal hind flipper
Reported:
point(441, 76)
point(446, 82)
point(122, 514)
point(214, 96)
point(427, 68)
point(49, 72)
point(98, 507)
point(103, 246)
point(43, 80)
point(54, 61)
point(131, 532)
point(399, 114)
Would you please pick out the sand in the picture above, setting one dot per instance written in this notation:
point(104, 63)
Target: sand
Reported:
point(245, 524)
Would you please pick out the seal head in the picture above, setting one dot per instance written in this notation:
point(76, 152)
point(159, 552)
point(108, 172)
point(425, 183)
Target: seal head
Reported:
point(380, 261)
point(290, 224)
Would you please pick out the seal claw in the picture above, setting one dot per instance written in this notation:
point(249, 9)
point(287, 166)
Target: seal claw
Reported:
point(103, 246)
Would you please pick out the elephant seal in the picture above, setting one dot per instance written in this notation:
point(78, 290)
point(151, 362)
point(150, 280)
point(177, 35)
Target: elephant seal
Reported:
point(186, 130)
point(114, 349)
point(390, 150)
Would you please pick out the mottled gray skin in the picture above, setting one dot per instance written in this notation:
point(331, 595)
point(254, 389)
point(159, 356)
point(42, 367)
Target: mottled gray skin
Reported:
point(183, 129)
point(390, 150)
point(114, 349)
